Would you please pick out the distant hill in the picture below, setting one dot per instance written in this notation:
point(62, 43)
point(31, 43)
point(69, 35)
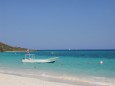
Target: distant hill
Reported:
point(5, 47)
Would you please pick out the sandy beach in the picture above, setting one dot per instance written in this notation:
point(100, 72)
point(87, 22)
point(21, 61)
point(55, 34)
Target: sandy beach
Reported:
point(13, 80)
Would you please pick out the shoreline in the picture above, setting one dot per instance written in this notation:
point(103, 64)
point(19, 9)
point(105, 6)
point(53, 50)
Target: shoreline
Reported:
point(19, 51)
point(14, 80)
point(14, 51)
point(50, 80)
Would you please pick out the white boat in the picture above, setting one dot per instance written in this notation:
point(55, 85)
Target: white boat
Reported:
point(30, 58)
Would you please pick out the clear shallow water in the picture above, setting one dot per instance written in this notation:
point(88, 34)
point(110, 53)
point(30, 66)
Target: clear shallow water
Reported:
point(71, 65)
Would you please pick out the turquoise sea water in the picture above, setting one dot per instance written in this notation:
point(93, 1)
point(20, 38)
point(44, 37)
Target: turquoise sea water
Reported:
point(72, 65)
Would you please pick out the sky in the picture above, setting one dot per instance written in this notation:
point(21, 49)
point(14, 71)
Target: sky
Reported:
point(58, 24)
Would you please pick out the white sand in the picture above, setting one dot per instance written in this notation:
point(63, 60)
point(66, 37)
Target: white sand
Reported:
point(13, 80)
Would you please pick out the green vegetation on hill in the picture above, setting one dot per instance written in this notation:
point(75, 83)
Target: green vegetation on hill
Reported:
point(5, 47)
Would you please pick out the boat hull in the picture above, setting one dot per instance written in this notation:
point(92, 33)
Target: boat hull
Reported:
point(50, 60)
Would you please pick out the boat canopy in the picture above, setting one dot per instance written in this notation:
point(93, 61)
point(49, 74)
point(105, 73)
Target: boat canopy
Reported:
point(29, 55)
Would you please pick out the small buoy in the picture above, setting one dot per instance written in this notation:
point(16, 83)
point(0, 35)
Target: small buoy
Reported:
point(101, 62)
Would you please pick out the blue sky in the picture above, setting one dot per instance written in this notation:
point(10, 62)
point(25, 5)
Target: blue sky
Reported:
point(58, 24)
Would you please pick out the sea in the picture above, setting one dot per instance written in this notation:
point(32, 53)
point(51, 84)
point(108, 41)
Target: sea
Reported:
point(78, 67)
